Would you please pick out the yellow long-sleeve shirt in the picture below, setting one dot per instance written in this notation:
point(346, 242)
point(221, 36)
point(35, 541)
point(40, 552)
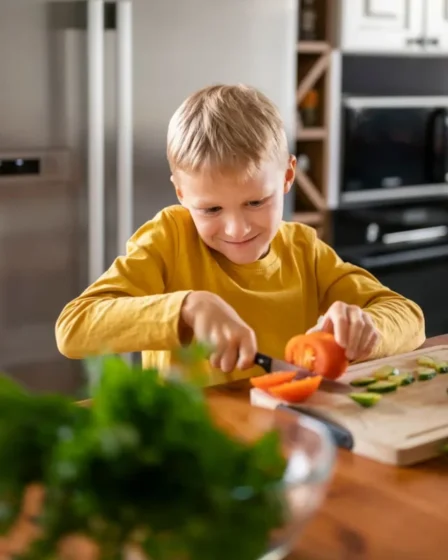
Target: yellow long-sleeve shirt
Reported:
point(135, 305)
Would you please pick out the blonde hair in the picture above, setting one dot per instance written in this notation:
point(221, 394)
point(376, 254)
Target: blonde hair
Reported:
point(224, 128)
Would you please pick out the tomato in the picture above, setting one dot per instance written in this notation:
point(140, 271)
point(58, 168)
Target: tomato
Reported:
point(296, 391)
point(319, 352)
point(272, 379)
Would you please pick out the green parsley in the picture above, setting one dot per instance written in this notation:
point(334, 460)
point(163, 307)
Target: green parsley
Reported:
point(144, 465)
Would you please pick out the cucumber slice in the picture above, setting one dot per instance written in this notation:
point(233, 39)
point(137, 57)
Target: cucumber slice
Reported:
point(402, 379)
point(426, 361)
point(382, 387)
point(385, 372)
point(363, 381)
point(442, 367)
point(365, 399)
point(426, 373)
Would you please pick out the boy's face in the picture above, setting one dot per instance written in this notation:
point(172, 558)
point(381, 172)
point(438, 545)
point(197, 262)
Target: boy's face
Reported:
point(237, 218)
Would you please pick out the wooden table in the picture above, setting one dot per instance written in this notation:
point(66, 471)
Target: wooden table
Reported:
point(372, 511)
point(375, 511)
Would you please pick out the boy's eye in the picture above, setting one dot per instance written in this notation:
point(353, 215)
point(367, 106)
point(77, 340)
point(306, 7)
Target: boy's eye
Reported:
point(212, 210)
point(255, 203)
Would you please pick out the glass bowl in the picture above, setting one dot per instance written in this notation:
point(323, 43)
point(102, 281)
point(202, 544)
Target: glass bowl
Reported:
point(310, 453)
point(305, 442)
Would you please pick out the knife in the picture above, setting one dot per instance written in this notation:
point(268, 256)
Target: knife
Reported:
point(341, 436)
point(270, 365)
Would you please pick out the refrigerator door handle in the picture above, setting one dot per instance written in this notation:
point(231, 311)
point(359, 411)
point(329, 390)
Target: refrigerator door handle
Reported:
point(95, 138)
point(125, 124)
point(125, 194)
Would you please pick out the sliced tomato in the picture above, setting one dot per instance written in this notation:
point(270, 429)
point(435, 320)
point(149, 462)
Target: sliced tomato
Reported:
point(272, 379)
point(319, 352)
point(296, 391)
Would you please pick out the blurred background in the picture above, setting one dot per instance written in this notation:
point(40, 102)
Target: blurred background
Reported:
point(86, 92)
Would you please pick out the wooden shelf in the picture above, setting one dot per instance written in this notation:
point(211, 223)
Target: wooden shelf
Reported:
point(313, 47)
point(314, 72)
point(313, 76)
point(308, 218)
point(304, 134)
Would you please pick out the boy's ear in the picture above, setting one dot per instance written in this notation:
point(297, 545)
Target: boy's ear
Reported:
point(290, 173)
point(177, 189)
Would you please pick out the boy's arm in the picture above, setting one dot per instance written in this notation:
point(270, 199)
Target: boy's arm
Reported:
point(400, 322)
point(126, 309)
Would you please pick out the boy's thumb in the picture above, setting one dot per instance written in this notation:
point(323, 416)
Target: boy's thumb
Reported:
point(323, 324)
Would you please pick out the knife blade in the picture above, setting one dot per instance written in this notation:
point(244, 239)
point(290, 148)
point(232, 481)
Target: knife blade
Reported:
point(270, 365)
point(342, 437)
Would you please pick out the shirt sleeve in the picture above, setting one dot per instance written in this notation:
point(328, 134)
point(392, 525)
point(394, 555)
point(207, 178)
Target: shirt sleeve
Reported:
point(127, 309)
point(399, 321)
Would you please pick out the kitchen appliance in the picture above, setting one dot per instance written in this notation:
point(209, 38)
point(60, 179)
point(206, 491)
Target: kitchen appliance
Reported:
point(101, 80)
point(39, 245)
point(393, 148)
point(404, 428)
point(405, 246)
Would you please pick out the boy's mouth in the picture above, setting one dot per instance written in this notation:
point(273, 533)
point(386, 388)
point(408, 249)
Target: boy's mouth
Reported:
point(240, 243)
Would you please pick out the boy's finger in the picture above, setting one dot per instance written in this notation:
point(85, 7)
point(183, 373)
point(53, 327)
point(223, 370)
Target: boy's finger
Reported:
point(229, 358)
point(215, 360)
point(324, 323)
point(218, 348)
point(356, 332)
point(248, 349)
point(339, 320)
point(369, 344)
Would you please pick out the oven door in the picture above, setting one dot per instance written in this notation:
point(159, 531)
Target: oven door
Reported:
point(394, 148)
point(420, 274)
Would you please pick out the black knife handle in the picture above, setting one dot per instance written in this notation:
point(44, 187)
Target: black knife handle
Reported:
point(342, 437)
point(263, 361)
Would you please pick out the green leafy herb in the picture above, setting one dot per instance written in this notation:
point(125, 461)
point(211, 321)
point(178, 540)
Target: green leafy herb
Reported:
point(144, 465)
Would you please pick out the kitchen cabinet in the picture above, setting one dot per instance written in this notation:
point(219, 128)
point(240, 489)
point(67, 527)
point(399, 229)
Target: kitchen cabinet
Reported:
point(416, 27)
point(436, 26)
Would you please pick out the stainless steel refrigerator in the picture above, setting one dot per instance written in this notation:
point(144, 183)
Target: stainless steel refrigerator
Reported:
point(100, 81)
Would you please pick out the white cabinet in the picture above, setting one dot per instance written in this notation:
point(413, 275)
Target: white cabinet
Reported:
point(436, 26)
point(394, 26)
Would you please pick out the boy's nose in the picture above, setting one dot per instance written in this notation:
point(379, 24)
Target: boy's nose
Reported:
point(236, 228)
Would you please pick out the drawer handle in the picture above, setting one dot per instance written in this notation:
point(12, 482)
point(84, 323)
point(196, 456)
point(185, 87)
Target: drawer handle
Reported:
point(415, 41)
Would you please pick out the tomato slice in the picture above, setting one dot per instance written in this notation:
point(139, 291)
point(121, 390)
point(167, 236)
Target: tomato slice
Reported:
point(296, 391)
point(318, 352)
point(272, 379)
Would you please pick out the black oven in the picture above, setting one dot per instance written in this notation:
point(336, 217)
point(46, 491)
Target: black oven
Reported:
point(406, 247)
point(394, 148)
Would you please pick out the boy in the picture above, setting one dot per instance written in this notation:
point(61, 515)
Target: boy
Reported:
point(223, 267)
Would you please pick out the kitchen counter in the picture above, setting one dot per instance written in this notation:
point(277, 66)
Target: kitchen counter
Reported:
point(375, 511)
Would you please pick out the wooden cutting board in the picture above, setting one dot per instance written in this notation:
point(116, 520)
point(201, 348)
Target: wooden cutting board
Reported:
point(406, 427)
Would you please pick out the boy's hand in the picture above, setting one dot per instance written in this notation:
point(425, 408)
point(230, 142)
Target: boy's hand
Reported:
point(215, 322)
point(352, 327)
